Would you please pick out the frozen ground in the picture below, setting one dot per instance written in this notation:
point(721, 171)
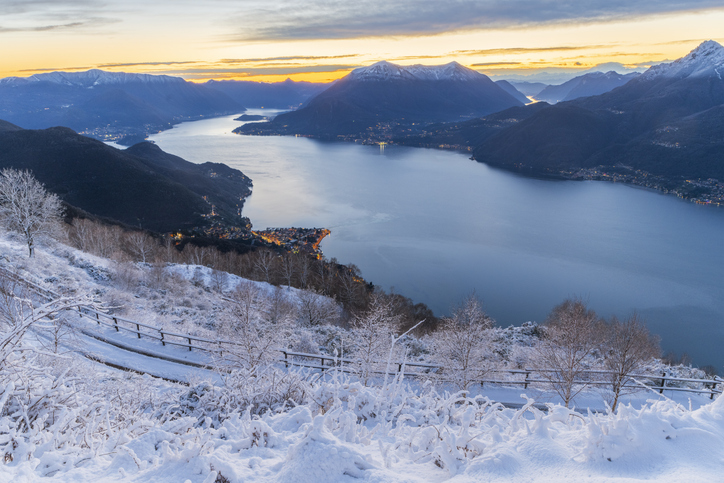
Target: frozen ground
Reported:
point(95, 423)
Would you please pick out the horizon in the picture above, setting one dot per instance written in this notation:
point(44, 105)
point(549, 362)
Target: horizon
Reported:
point(321, 42)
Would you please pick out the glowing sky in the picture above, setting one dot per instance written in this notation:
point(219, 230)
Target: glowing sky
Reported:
point(321, 40)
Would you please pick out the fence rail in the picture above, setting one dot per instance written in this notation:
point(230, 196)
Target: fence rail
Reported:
point(326, 362)
point(657, 382)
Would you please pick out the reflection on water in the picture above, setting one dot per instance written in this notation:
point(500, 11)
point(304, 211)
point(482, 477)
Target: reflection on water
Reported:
point(435, 226)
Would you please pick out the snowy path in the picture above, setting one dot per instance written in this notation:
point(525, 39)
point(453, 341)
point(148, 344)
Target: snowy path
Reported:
point(87, 344)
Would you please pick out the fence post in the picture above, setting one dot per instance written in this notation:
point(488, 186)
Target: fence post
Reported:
point(526, 381)
point(99, 319)
point(163, 342)
point(663, 383)
point(138, 328)
point(713, 388)
point(189, 338)
point(286, 362)
point(115, 321)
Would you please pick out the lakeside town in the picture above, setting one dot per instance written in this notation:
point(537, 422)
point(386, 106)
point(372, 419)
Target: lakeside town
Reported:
point(702, 191)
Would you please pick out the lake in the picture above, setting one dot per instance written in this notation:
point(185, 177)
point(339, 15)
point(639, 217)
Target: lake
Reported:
point(436, 226)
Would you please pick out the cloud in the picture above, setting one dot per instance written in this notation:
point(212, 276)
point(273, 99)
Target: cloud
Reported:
point(55, 69)
point(527, 50)
point(49, 15)
point(336, 19)
point(287, 58)
point(489, 64)
point(135, 64)
point(214, 71)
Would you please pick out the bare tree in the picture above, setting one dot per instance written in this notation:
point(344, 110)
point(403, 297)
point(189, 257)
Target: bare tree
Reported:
point(279, 309)
point(304, 268)
point(218, 280)
point(628, 347)
point(463, 346)
point(316, 309)
point(96, 238)
point(264, 262)
point(27, 208)
point(571, 336)
point(372, 336)
point(18, 314)
point(254, 342)
point(140, 246)
point(288, 268)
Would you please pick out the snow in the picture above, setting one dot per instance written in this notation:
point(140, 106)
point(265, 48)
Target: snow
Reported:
point(386, 71)
point(90, 78)
point(94, 423)
point(703, 61)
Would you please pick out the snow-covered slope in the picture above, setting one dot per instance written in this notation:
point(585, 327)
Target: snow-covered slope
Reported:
point(384, 71)
point(707, 60)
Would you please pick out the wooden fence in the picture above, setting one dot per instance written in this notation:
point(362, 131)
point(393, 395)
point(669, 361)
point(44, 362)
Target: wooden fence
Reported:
point(411, 369)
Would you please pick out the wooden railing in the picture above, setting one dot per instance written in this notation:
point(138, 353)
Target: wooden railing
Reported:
point(658, 383)
point(326, 362)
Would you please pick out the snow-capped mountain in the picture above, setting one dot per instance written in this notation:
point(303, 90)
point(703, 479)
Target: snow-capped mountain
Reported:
point(91, 78)
point(384, 71)
point(667, 122)
point(108, 105)
point(707, 60)
point(369, 97)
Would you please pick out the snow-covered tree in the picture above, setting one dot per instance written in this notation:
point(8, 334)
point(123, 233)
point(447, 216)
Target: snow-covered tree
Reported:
point(18, 313)
point(254, 342)
point(372, 336)
point(26, 207)
point(464, 345)
point(572, 335)
point(316, 309)
point(628, 348)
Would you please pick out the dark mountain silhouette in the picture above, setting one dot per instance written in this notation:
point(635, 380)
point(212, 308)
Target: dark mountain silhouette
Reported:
point(468, 134)
point(510, 89)
point(274, 95)
point(591, 84)
point(667, 121)
point(387, 93)
point(142, 186)
point(529, 89)
point(108, 104)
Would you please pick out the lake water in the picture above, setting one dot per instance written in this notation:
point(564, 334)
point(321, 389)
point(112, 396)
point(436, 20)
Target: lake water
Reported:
point(437, 226)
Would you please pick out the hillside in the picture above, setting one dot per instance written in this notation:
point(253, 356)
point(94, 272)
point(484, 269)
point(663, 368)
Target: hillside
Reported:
point(374, 98)
point(86, 402)
point(591, 84)
point(108, 105)
point(142, 186)
point(665, 122)
point(271, 95)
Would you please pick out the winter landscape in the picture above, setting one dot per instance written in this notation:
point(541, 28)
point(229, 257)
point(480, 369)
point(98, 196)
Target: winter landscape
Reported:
point(324, 242)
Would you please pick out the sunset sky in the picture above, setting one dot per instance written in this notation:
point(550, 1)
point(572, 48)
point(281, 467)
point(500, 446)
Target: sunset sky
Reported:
point(321, 40)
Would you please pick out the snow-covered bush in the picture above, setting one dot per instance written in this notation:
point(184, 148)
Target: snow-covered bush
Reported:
point(464, 346)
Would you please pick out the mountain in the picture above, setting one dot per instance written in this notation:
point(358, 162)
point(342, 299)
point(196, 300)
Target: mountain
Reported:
point(139, 186)
point(529, 89)
point(108, 105)
point(468, 134)
point(370, 98)
point(276, 95)
point(668, 122)
point(591, 84)
point(510, 89)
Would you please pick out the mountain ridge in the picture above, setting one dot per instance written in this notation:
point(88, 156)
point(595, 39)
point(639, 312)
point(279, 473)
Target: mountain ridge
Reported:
point(144, 186)
point(372, 100)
